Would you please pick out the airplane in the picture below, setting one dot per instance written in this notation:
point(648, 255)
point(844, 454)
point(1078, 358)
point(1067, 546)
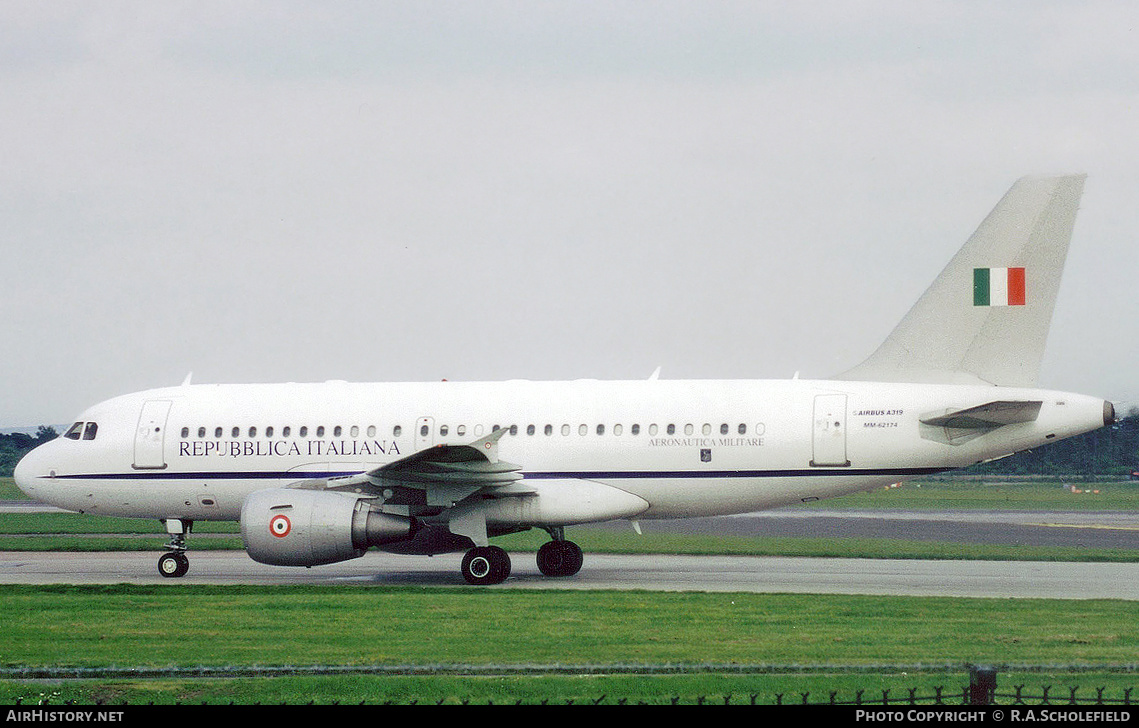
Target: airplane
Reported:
point(318, 473)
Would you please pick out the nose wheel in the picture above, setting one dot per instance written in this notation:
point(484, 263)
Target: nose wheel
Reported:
point(173, 563)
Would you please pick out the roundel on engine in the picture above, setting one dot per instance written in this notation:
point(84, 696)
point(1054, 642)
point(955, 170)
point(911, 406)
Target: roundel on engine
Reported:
point(280, 525)
point(321, 526)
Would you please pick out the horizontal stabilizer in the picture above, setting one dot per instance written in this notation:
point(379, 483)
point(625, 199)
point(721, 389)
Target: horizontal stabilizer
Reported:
point(987, 416)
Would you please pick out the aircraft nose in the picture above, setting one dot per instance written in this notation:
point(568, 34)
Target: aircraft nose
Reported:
point(27, 470)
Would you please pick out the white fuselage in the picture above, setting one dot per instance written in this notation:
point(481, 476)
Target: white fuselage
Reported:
point(684, 448)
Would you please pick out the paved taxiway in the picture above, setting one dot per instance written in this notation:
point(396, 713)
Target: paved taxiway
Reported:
point(604, 571)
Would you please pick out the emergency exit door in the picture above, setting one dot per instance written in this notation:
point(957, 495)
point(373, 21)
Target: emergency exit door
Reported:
point(150, 437)
point(829, 435)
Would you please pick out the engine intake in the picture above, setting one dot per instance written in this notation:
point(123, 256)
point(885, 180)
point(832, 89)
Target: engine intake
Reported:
point(297, 527)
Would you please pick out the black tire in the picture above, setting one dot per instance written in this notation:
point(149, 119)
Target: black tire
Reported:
point(485, 565)
point(560, 558)
point(173, 565)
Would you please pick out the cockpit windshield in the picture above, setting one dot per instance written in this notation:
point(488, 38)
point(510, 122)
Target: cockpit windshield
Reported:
point(84, 430)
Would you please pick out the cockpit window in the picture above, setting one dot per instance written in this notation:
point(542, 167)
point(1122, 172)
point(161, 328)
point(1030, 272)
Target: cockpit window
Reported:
point(84, 430)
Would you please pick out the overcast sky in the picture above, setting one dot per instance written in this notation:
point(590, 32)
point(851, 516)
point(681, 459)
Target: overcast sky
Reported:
point(288, 191)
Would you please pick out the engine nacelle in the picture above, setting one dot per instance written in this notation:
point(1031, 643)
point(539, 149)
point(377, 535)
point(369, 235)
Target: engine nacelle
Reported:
point(297, 527)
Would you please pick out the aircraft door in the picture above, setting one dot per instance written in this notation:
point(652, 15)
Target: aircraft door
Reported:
point(424, 433)
point(829, 436)
point(150, 437)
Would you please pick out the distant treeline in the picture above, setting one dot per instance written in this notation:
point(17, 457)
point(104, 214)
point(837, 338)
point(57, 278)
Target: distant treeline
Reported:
point(1107, 451)
point(1110, 450)
point(13, 447)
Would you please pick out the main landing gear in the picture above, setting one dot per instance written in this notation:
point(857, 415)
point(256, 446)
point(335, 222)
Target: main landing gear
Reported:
point(486, 565)
point(174, 564)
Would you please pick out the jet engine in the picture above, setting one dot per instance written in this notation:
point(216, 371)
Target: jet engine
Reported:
point(297, 527)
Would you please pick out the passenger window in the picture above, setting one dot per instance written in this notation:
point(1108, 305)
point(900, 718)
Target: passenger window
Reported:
point(354, 432)
point(617, 430)
point(236, 432)
point(688, 429)
point(583, 429)
point(185, 433)
point(671, 429)
point(443, 430)
point(565, 430)
point(371, 430)
point(652, 429)
point(743, 429)
point(549, 430)
point(423, 431)
point(320, 431)
point(461, 430)
point(635, 429)
point(286, 431)
point(269, 431)
point(601, 429)
point(724, 429)
point(397, 431)
point(707, 429)
point(253, 432)
point(90, 431)
point(513, 430)
point(304, 431)
point(336, 431)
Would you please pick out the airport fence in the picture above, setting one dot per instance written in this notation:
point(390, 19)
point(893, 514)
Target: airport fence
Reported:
point(983, 689)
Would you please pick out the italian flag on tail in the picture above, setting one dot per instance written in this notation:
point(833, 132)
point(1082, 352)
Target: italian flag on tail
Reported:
point(998, 287)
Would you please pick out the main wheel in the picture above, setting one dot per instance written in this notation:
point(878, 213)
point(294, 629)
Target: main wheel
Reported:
point(173, 564)
point(560, 558)
point(484, 565)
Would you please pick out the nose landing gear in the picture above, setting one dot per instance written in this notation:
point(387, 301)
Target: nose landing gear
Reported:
point(174, 564)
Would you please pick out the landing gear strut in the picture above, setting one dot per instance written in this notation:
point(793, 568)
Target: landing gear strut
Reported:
point(173, 563)
point(559, 557)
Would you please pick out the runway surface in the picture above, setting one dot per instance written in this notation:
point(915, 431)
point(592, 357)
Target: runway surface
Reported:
point(606, 571)
point(996, 579)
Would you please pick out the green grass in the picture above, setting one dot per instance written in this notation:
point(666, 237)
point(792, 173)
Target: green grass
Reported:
point(736, 644)
point(843, 644)
point(304, 625)
point(993, 494)
point(73, 532)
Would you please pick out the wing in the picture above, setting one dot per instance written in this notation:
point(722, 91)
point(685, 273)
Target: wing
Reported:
point(438, 477)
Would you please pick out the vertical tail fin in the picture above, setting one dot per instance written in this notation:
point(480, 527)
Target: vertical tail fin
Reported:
point(986, 317)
